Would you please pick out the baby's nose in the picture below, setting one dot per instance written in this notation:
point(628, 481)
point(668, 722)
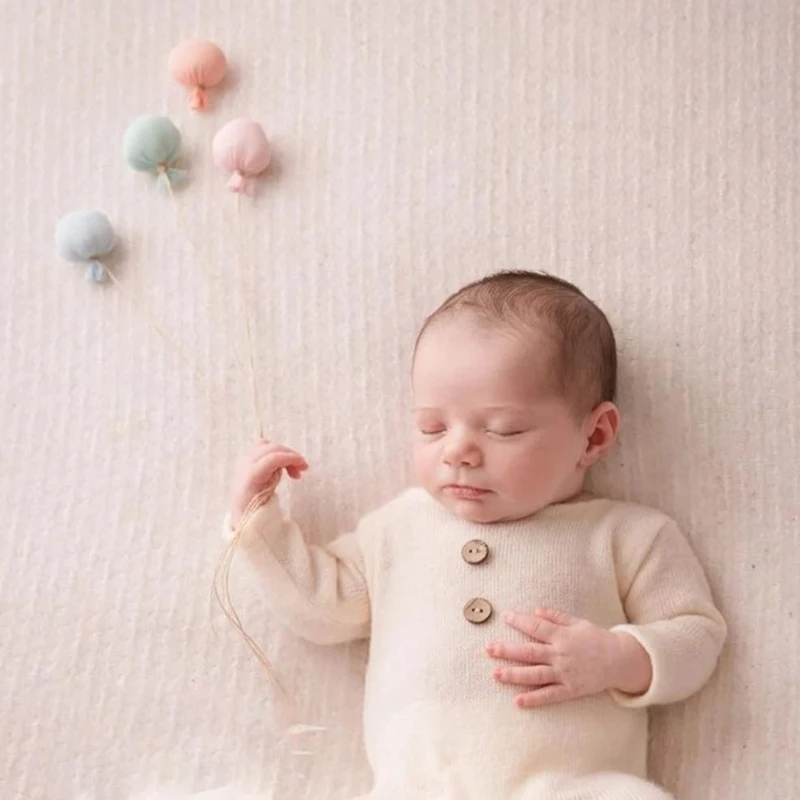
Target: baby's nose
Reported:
point(460, 450)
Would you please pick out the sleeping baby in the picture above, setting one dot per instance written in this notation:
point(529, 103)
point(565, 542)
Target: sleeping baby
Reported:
point(519, 625)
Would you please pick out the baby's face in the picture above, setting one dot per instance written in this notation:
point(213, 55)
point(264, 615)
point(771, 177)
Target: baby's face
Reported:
point(492, 441)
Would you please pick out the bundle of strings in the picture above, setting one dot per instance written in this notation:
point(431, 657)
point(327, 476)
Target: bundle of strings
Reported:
point(221, 586)
point(165, 180)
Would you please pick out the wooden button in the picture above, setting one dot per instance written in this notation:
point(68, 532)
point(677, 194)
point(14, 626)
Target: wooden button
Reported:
point(475, 551)
point(477, 611)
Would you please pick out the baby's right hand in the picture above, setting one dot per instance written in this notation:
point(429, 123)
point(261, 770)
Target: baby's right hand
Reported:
point(260, 472)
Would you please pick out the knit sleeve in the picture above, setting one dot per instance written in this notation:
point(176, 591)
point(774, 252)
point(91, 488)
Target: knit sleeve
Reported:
point(672, 615)
point(320, 593)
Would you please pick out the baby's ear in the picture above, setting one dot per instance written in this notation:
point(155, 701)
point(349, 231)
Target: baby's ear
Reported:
point(600, 427)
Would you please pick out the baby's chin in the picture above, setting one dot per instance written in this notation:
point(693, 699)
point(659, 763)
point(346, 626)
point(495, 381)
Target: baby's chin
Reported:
point(485, 510)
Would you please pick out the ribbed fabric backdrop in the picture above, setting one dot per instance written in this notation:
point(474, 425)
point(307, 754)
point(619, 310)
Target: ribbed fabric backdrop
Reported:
point(648, 151)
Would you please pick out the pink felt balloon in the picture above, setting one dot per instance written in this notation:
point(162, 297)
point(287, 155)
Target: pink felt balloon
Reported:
point(241, 148)
point(199, 65)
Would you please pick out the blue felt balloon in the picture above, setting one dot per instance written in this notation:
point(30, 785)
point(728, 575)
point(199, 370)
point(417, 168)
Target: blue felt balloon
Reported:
point(83, 237)
point(151, 144)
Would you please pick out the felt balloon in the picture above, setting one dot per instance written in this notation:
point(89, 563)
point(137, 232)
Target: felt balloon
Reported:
point(83, 237)
point(198, 65)
point(241, 148)
point(151, 144)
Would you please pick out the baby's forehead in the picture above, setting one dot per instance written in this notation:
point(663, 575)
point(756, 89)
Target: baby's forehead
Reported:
point(511, 408)
point(491, 351)
point(473, 380)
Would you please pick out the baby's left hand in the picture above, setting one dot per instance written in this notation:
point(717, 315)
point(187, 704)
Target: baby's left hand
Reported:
point(569, 658)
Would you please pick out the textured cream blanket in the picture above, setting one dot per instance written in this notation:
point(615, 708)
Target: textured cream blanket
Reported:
point(647, 151)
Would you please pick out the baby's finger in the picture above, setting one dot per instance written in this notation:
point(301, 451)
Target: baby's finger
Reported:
point(556, 617)
point(547, 695)
point(525, 676)
point(275, 461)
point(296, 472)
point(278, 449)
point(537, 628)
point(527, 653)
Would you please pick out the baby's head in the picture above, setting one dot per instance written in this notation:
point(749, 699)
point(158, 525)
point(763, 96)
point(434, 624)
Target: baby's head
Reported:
point(514, 379)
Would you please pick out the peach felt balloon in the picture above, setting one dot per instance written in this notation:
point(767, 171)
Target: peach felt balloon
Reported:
point(241, 149)
point(198, 65)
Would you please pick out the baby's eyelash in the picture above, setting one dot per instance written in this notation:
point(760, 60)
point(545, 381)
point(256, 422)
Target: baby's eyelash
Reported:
point(499, 434)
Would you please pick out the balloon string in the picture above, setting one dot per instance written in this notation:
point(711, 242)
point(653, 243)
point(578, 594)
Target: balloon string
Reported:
point(243, 296)
point(196, 258)
point(248, 325)
point(175, 348)
point(176, 207)
point(157, 328)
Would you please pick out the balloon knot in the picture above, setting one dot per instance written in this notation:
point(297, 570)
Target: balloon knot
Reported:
point(240, 184)
point(198, 99)
point(95, 272)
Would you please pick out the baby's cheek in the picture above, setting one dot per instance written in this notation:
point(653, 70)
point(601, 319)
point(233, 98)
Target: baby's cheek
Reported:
point(519, 473)
point(423, 460)
point(523, 471)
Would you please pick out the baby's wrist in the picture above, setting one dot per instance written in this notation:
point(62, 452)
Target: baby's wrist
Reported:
point(239, 509)
point(633, 670)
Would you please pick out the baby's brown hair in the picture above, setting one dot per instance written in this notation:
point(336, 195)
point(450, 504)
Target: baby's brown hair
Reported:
point(584, 363)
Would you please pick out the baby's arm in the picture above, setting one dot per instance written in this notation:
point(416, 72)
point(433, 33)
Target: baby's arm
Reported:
point(320, 593)
point(671, 614)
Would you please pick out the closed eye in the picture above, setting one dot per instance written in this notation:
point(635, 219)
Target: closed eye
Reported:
point(505, 434)
point(431, 431)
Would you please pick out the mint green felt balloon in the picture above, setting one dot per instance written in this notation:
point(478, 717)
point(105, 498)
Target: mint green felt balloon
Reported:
point(151, 144)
